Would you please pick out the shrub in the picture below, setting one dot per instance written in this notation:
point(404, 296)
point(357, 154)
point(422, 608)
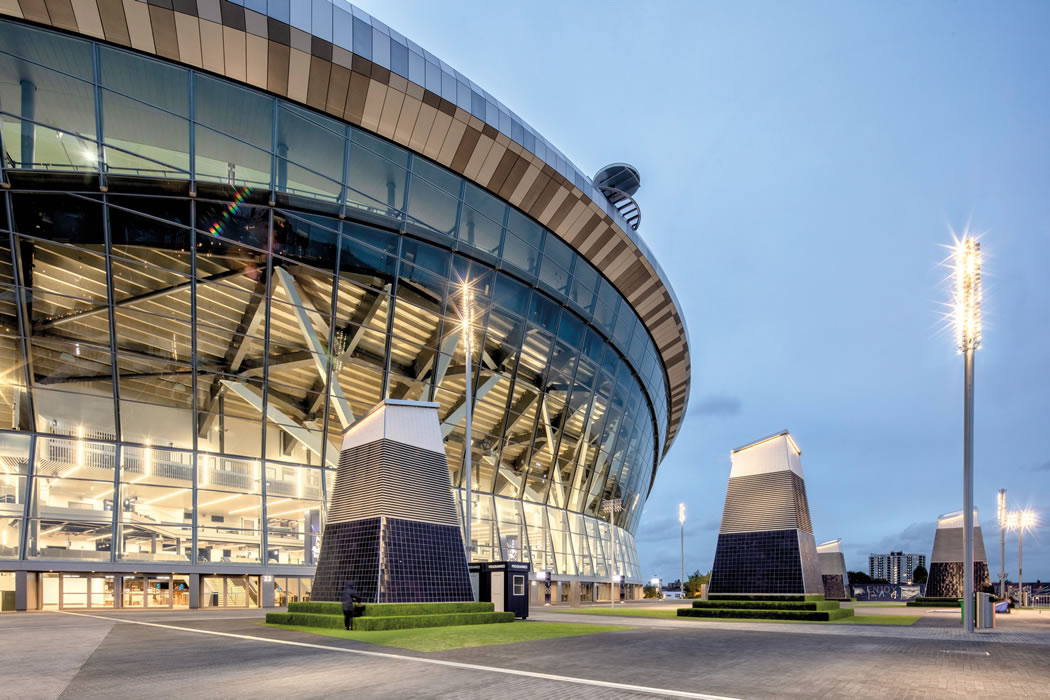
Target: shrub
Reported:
point(305, 619)
point(389, 622)
point(370, 624)
point(401, 609)
point(386, 609)
point(787, 598)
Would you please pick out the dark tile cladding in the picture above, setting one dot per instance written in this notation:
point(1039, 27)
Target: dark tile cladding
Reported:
point(758, 562)
point(391, 560)
point(946, 578)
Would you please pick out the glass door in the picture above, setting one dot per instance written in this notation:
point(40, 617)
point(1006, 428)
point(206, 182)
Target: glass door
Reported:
point(74, 591)
point(101, 592)
point(180, 591)
point(134, 592)
point(158, 591)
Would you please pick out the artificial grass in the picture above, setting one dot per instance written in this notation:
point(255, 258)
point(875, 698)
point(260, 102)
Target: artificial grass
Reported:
point(443, 638)
point(672, 613)
point(390, 622)
point(902, 604)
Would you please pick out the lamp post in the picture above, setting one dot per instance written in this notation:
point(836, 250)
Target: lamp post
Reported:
point(1021, 520)
point(966, 313)
point(681, 521)
point(611, 506)
point(468, 403)
point(1002, 543)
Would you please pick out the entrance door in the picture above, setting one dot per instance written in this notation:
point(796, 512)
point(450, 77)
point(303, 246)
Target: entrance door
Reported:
point(134, 592)
point(158, 591)
point(74, 591)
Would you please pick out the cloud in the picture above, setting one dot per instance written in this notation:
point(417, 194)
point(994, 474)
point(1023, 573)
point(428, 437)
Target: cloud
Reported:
point(917, 538)
point(1044, 467)
point(718, 406)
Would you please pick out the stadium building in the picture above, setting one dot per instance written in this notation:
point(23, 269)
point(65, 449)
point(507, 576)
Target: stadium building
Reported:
point(228, 230)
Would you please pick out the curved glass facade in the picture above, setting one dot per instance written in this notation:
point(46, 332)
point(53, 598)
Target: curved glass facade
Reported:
point(180, 351)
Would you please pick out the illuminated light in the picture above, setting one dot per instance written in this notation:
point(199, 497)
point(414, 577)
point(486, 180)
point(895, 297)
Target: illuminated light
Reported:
point(681, 513)
point(244, 510)
point(288, 512)
point(54, 529)
point(219, 500)
point(1002, 507)
point(167, 495)
point(299, 482)
point(966, 292)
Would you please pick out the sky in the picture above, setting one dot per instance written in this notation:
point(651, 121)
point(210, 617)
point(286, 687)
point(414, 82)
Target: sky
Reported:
point(803, 166)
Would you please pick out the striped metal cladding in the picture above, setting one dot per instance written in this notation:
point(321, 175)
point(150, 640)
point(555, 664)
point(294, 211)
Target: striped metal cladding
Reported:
point(388, 478)
point(761, 502)
point(948, 545)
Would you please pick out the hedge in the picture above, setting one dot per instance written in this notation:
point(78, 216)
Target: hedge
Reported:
point(388, 609)
point(305, 619)
point(765, 605)
point(389, 622)
point(811, 615)
point(787, 598)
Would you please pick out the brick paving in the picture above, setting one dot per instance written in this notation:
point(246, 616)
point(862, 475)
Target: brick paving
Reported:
point(103, 658)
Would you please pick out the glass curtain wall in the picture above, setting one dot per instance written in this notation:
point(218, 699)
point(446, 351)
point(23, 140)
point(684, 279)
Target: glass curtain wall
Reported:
point(177, 370)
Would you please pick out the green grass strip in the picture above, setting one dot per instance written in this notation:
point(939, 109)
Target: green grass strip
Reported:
point(444, 638)
point(672, 613)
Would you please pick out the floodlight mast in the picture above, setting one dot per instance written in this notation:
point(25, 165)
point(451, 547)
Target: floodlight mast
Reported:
point(966, 313)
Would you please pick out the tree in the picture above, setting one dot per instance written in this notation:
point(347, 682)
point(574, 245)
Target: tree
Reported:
point(920, 574)
point(858, 577)
point(694, 582)
point(650, 591)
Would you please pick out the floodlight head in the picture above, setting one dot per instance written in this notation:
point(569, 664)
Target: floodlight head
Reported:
point(681, 513)
point(966, 295)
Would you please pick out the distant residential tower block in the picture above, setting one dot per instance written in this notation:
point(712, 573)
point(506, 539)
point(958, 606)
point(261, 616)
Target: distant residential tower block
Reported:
point(765, 544)
point(946, 562)
point(895, 567)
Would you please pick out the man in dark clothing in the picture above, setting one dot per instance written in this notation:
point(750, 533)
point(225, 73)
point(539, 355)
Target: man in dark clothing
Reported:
point(350, 601)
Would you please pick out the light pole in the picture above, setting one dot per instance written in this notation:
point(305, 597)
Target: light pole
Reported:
point(966, 303)
point(611, 506)
point(1002, 543)
point(681, 521)
point(1021, 520)
point(468, 403)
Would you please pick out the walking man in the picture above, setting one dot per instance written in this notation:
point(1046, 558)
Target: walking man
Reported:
point(350, 600)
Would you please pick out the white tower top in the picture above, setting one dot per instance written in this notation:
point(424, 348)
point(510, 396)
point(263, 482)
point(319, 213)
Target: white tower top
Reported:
point(776, 453)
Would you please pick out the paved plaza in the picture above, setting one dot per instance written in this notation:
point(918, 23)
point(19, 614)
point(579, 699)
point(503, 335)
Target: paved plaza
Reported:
point(210, 654)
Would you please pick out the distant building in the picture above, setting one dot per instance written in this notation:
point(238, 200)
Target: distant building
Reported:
point(895, 567)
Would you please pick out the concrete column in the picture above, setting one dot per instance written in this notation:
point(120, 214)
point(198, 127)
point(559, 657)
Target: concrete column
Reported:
point(574, 594)
point(195, 591)
point(22, 589)
point(266, 591)
point(118, 591)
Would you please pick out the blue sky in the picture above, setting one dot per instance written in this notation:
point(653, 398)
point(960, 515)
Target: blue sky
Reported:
point(802, 166)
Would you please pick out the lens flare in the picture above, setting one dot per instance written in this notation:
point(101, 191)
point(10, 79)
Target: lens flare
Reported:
point(966, 293)
point(216, 228)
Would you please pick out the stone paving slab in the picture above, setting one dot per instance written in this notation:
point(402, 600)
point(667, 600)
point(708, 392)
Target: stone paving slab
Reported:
point(1004, 635)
